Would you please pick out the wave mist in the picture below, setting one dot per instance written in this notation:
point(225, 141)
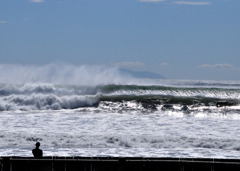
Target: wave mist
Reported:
point(62, 74)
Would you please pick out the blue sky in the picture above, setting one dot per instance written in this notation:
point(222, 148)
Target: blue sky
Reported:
point(180, 39)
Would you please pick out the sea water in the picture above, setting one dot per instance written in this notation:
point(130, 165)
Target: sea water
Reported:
point(147, 118)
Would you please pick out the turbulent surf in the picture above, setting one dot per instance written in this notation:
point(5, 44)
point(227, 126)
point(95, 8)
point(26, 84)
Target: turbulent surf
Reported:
point(151, 118)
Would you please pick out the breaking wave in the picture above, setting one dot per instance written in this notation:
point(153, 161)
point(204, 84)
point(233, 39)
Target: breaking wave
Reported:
point(118, 97)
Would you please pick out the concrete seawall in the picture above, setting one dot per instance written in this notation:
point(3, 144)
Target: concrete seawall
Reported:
point(116, 164)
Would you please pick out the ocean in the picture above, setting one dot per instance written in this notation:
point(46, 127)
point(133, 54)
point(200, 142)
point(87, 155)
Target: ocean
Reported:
point(144, 118)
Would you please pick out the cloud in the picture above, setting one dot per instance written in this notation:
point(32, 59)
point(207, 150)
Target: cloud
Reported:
point(3, 22)
point(129, 64)
point(152, 0)
point(192, 3)
point(164, 64)
point(216, 66)
point(180, 2)
point(37, 1)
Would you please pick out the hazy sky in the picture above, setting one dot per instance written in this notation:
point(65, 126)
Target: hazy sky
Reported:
point(180, 39)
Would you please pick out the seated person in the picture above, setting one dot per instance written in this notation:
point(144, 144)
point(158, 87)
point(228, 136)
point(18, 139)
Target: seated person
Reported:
point(37, 153)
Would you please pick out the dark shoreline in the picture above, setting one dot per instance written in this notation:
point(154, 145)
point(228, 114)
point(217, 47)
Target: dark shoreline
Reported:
point(116, 164)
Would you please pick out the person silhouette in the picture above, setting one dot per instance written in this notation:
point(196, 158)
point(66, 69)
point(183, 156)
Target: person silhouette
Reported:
point(37, 152)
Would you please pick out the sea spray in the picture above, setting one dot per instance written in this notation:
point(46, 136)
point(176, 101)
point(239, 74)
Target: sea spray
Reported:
point(62, 74)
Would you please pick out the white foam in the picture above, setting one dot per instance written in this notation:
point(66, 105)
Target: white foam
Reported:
point(71, 132)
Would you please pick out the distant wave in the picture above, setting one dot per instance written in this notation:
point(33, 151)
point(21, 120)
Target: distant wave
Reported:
point(172, 91)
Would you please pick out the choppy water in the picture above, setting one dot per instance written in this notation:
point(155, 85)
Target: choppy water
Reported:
point(150, 118)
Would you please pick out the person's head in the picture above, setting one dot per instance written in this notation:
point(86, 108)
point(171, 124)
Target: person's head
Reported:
point(38, 144)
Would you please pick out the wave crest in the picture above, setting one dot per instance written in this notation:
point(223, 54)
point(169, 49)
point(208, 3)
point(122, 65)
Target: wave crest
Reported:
point(46, 102)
